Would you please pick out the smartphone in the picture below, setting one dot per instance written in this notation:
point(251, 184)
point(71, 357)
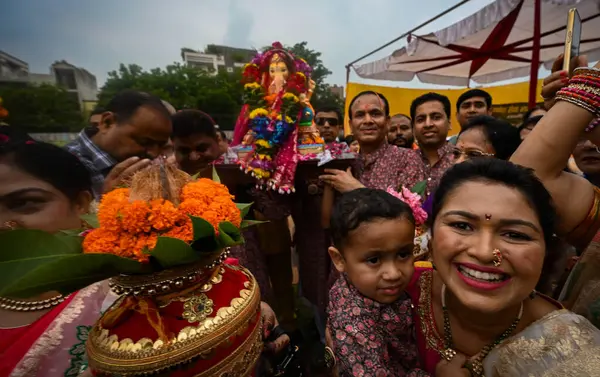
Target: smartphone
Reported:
point(573, 38)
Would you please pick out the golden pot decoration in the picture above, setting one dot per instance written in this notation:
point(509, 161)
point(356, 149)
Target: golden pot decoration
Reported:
point(207, 323)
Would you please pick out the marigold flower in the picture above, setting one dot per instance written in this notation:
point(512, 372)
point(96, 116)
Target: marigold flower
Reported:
point(134, 217)
point(131, 229)
point(101, 240)
point(163, 214)
point(183, 230)
point(109, 209)
point(291, 96)
point(258, 112)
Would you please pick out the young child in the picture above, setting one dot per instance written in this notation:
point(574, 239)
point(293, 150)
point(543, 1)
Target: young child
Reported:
point(370, 315)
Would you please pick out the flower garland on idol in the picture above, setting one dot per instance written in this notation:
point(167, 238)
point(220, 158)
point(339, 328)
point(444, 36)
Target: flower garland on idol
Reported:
point(415, 202)
point(275, 106)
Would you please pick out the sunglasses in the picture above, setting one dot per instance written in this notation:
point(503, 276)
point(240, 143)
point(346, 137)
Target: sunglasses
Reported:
point(322, 120)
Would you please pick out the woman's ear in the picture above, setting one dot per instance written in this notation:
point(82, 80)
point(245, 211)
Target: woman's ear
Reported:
point(337, 259)
point(83, 201)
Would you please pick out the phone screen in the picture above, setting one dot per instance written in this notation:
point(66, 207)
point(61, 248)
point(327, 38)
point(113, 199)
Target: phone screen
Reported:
point(573, 38)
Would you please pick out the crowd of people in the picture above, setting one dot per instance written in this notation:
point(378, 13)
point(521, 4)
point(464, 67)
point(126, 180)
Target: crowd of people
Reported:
point(509, 286)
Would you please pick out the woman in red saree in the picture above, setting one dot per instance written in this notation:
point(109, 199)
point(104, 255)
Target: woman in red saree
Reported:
point(44, 187)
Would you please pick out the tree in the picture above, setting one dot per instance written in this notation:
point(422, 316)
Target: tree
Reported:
point(184, 87)
point(43, 108)
point(322, 96)
point(218, 94)
point(213, 50)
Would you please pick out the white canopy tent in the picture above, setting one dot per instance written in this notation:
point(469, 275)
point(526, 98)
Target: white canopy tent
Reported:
point(506, 39)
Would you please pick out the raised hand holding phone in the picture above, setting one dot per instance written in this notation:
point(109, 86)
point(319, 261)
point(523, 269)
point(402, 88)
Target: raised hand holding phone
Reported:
point(572, 39)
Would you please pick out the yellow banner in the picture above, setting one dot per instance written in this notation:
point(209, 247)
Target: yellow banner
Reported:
point(401, 98)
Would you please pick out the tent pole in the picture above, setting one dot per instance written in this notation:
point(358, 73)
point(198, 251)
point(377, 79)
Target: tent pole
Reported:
point(408, 32)
point(535, 54)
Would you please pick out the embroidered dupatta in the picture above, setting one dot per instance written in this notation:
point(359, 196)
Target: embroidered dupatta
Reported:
point(58, 349)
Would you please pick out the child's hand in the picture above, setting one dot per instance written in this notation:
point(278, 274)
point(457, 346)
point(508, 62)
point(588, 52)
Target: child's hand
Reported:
point(452, 368)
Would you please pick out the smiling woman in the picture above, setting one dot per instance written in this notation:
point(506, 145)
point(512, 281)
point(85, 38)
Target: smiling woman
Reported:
point(492, 244)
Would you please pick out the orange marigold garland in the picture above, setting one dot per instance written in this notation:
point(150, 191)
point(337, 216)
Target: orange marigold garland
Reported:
point(131, 228)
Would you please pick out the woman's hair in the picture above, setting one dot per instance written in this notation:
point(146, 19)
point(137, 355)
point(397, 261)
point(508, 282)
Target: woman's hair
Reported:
point(44, 161)
point(527, 115)
point(364, 205)
point(502, 135)
point(496, 171)
point(530, 121)
point(349, 139)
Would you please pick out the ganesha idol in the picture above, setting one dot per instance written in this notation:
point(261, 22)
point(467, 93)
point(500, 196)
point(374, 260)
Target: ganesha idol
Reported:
point(276, 124)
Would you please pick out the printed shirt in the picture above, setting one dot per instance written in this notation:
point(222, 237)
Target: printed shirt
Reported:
point(371, 339)
point(98, 162)
point(418, 168)
point(385, 168)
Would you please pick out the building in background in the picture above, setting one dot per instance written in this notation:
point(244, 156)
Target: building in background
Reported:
point(13, 69)
point(216, 58)
point(338, 91)
point(80, 83)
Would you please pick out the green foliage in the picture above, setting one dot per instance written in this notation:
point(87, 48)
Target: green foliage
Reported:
point(184, 87)
point(41, 108)
point(213, 49)
point(32, 261)
point(220, 95)
point(419, 188)
point(322, 96)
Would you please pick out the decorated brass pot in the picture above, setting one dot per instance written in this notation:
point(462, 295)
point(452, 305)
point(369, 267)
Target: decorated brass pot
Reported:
point(186, 321)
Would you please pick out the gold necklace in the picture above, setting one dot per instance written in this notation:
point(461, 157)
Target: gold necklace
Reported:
point(475, 366)
point(30, 306)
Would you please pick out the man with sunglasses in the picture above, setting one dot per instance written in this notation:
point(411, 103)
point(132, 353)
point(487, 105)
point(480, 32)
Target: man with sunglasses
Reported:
point(329, 121)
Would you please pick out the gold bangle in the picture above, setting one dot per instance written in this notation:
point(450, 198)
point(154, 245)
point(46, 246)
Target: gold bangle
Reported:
point(579, 103)
point(587, 88)
point(587, 71)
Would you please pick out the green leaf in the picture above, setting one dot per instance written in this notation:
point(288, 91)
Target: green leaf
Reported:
point(195, 176)
point(33, 244)
point(170, 252)
point(215, 175)
point(229, 235)
point(205, 239)
point(64, 273)
point(202, 228)
point(91, 219)
point(244, 208)
point(72, 232)
point(249, 223)
point(419, 188)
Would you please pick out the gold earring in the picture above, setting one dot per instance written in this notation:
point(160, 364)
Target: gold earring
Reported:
point(497, 257)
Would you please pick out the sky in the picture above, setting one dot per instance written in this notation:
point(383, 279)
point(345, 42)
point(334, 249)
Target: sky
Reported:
point(99, 35)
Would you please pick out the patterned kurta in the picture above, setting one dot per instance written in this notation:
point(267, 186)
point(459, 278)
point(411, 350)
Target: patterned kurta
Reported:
point(369, 338)
point(387, 167)
point(418, 169)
